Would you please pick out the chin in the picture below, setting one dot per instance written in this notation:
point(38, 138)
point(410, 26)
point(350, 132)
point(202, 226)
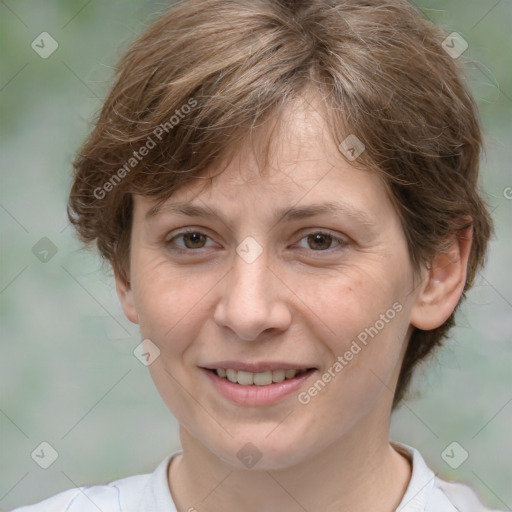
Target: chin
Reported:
point(257, 450)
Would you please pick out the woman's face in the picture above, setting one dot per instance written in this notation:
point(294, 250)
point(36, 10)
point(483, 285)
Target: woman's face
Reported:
point(305, 268)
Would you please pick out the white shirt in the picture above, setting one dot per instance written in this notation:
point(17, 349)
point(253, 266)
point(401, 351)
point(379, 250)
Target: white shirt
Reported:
point(150, 493)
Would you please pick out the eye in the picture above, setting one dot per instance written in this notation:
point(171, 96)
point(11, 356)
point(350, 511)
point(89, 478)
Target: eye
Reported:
point(321, 241)
point(192, 239)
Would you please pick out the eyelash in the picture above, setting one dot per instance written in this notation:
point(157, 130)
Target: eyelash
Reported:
point(341, 242)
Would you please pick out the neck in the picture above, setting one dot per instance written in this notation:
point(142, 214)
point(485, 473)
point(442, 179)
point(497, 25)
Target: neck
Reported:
point(359, 472)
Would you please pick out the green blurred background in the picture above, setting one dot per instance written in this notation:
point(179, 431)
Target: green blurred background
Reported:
point(67, 372)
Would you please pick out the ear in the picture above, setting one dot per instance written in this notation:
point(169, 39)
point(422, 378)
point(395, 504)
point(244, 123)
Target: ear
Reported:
point(125, 294)
point(442, 288)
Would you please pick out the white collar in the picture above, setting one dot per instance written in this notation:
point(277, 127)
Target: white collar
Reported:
point(156, 495)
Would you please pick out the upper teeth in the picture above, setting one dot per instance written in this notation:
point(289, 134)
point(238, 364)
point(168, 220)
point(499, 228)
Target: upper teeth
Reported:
point(259, 379)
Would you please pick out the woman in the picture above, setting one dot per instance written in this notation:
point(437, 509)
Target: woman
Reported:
point(287, 194)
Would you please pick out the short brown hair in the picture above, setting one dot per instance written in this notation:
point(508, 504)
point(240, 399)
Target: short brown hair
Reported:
point(381, 70)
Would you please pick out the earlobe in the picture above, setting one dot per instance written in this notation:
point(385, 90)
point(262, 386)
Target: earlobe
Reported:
point(125, 294)
point(443, 284)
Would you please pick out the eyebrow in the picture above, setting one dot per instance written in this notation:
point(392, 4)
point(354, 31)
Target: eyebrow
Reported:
point(291, 213)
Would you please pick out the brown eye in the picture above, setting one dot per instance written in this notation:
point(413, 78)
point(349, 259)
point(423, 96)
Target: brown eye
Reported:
point(320, 241)
point(194, 240)
point(187, 241)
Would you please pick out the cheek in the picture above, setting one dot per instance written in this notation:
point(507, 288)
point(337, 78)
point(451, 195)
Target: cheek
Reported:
point(343, 304)
point(171, 313)
point(361, 316)
point(373, 325)
point(171, 305)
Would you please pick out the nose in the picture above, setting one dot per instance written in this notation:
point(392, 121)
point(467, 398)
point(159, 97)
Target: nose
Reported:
point(253, 300)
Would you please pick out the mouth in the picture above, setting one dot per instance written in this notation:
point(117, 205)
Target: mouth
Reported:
point(253, 388)
point(245, 378)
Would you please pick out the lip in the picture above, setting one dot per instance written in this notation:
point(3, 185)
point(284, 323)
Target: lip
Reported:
point(256, 367)
point(256, 395)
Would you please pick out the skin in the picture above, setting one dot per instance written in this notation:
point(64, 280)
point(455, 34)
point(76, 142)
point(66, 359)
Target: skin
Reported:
point(302, 300)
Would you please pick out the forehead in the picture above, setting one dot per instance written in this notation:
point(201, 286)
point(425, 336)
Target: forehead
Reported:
point(293, 157)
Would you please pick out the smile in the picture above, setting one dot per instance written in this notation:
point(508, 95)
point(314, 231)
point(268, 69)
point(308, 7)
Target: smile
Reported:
point(257, 388)
point(257, 379)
